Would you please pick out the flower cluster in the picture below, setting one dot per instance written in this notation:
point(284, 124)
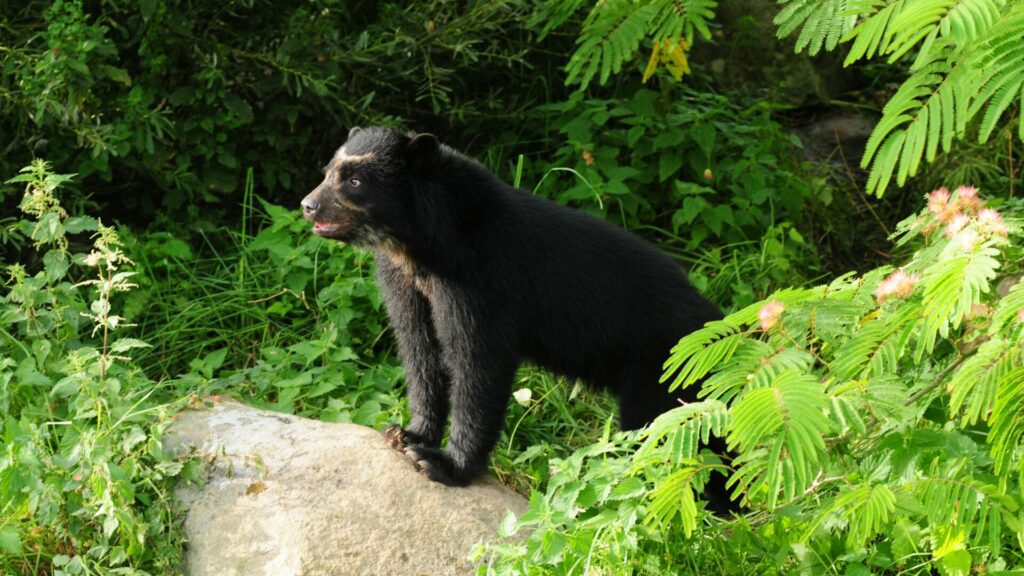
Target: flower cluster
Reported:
point(964, 217)
point(769, 314)
point(899, 284)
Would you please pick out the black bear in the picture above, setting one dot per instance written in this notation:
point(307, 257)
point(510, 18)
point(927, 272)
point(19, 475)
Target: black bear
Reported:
point(478, 276)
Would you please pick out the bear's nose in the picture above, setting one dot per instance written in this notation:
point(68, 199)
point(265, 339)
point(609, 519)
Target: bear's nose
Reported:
point(310, 206)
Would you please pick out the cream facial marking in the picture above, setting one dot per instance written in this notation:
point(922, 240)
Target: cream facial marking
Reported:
point(343, 157)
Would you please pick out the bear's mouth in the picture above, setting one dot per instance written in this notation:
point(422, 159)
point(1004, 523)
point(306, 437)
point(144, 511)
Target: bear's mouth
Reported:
point(325, 227)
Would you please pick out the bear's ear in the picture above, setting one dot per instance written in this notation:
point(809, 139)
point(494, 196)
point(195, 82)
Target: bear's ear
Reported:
point(422, 151)
point(353, 131)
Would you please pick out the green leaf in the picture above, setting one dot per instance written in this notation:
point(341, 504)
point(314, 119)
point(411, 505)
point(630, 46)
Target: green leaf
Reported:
point(116, 74)
point(951, 288)
point(669, 163)
point(324, 386)
point(76, 224)
point(787, 418)
point(973, 386)
point(10, 541)
point(508, 526)
point(240, 108)
point(56, 264)
point(122, 345)
point(696, 354)
point(956, 563)
point(210, 363)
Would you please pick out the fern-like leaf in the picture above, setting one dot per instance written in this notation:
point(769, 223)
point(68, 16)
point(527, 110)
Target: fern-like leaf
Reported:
point(675, 436)
point(867, 509)
point(699, 352)
point(951, 287)
point(1000, 68)
point(872, 33)
point(672, 497)
point(973, 386)
point(787, 296)
point(822, 23)
point(843, 412)
point(726, 383)
point(787, 421)
point(970, 58)
point(955, 502)
point(614, 29)
point(611, 34)
point(1007, 433)
point(1004, 317)
point(873, 346)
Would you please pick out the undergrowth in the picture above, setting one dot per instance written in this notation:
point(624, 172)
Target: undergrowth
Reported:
point(85, 486)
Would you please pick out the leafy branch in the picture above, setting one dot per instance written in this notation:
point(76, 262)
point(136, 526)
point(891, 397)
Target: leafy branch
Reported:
point(968, 63)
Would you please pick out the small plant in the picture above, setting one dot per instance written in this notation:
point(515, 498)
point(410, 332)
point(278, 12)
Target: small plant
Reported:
point(84, 482)
point(875, 423)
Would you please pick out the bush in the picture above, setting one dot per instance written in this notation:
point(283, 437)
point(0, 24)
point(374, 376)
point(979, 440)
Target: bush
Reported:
point(179, 98)
point(705, 174)
point(84, 482)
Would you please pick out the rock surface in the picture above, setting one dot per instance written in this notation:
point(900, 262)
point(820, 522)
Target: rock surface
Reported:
point(291, 496)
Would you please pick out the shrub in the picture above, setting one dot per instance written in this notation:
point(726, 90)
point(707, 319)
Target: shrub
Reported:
point(84, 482)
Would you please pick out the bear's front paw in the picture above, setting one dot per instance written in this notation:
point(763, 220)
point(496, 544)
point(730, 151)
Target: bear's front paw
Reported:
point(395, 437)
point(437, 465)
point(398, 437)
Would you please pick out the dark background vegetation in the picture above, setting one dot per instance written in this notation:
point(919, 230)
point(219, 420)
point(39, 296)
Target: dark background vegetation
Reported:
point(196, 127)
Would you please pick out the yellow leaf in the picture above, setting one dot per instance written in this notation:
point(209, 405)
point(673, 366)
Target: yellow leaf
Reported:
point(952, 540)
point(675, 57)
point(652, 62)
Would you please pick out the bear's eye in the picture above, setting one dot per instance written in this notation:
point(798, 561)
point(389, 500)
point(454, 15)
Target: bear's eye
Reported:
point(354, 182)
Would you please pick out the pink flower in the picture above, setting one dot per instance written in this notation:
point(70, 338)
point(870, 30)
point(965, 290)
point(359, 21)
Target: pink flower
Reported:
point(956, 224)
point(899, 284)
point(941, 207)
point(769, 314)
point(967, 197)
point(967, 239)
point(938, 200)
point(991, 221)
point(1020, 315)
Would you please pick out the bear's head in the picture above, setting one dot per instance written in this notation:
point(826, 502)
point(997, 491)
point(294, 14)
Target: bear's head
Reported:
point(364, 199)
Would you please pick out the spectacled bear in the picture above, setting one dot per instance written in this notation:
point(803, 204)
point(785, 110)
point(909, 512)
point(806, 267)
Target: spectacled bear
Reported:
point(478, 276)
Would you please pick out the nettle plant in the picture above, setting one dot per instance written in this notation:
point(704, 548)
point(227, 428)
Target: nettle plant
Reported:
point(84, 482)
point(875, 423)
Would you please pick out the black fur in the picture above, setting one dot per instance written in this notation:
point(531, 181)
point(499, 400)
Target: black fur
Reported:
point(478, 276)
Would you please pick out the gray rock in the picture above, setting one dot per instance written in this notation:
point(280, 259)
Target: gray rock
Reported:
point(291, 496)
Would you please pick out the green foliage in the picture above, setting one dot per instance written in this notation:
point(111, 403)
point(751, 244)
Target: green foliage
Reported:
point(875, 423)
point(283, 317)
point(968, 69)
point(84, 482)
point(613, 30)
point(693, 168)
point(177, 98)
